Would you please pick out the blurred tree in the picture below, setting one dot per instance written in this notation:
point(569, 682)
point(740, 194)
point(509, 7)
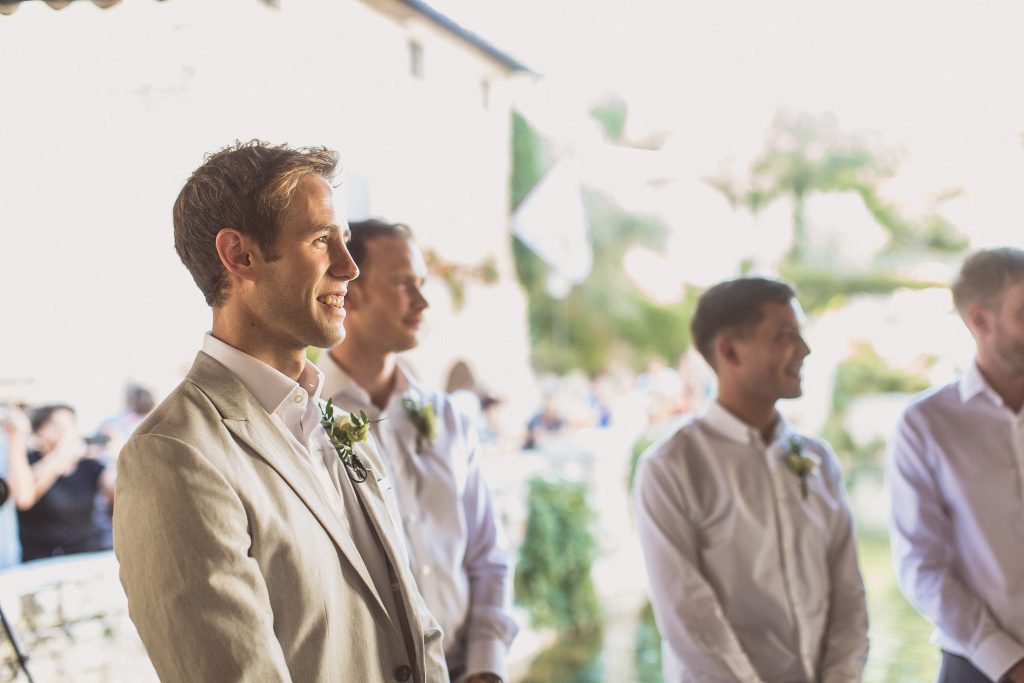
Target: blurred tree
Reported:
point(863, 373)
point(611, 114)
point(647, 647)
point(574, 658)
point(806, 154)
point(606, 317)
point(553, 580)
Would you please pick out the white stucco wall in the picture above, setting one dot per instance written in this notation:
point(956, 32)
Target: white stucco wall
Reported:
point(106, 112)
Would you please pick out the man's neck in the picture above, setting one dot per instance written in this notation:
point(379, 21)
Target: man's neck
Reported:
point(1008, 384)
point(373, 371)
point(288, 361)
point(761, 417)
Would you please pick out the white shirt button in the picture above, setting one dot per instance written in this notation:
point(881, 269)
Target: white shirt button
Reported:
point(298, 398)
point(427, 570)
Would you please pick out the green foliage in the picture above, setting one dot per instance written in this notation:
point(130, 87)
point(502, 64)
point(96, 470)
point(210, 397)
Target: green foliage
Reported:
point(553, 574)
point(312, 353)
point(574, 658)
point(857, 460)
point(865, 372)
point(612, 116)
point(862, 374)
point(606, 317)
point(530, 159)
point(642, 443)
point(819, 289)
point(900, 648)
point(647, 647)
point(807, 154)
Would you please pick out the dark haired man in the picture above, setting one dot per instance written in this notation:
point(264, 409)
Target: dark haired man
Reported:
point(431, 452)
point(743, 521)
point(956, 472)
point(249, 551)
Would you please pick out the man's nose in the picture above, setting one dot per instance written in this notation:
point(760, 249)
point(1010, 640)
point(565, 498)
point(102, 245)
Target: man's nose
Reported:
point(343, 266)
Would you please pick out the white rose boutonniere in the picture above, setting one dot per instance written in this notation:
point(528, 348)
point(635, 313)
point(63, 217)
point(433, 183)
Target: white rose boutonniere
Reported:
point(423, 419)
point(345, 432)
point(802, 464)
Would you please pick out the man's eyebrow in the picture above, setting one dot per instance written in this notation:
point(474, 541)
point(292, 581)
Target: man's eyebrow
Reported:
point(323, 227)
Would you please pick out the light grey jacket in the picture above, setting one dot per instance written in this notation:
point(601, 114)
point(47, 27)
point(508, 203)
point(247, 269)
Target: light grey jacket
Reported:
point(235, 566)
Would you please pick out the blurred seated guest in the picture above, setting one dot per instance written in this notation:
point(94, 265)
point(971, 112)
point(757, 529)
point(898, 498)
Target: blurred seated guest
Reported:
point(548, 422)
point(59, 518)
point(138, 402)
point(15, 480)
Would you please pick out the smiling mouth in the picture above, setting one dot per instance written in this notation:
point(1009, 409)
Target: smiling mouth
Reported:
point(332, 300)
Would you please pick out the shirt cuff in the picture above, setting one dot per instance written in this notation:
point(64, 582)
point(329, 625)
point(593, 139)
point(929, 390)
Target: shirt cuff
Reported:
point(486, 655)
point(997, 654)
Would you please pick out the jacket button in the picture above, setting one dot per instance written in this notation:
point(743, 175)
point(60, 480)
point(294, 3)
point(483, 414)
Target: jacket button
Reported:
point(403, 673)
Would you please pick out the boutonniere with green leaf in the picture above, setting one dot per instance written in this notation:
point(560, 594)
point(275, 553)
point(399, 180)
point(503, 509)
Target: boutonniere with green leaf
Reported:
point(423, 419)
point(804, 465)
point(345, 431)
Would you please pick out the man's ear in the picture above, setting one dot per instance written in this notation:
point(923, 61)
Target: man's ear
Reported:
point(979, 319)
point(235, 250)
point(725, 350)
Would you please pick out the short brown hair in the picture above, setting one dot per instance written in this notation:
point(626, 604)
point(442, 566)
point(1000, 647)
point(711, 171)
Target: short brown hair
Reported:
point(733, 306)
point(246, 186)
point(372, 228)
point(984, 274)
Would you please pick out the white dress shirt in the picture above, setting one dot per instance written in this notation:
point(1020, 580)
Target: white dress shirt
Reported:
point(956, 472)
point(457, 549)
point(749, 580)
point(295, 406)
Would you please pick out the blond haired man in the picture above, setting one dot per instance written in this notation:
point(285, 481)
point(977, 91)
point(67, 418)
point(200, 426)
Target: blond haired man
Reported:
point(956, 471)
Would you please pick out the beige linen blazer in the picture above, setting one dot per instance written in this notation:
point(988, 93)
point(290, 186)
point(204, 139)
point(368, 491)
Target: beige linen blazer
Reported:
point(235, 566)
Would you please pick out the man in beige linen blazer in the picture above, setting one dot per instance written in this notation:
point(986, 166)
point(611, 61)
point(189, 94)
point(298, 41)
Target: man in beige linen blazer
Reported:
point(243, 556)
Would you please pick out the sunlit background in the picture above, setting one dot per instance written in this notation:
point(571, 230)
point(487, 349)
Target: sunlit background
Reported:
point(578, 171)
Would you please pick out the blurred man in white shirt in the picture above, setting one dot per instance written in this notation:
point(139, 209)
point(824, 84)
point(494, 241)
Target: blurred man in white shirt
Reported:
point(956, 471)
point(744, 522)
point(456, 547)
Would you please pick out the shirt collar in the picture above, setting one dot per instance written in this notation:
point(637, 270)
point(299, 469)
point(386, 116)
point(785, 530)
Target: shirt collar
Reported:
point(972, 383)
point(270, 387)
point(337, 382)
point(728, 425)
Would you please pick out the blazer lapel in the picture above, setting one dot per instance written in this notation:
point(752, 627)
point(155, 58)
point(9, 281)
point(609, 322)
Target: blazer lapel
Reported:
point(372, 498)
point(250, 423)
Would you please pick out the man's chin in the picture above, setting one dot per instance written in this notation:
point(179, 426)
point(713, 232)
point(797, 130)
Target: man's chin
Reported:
point(793, 392)
point(328, 338)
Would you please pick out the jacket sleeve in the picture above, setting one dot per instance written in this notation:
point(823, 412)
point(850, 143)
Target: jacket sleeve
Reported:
point(197, 598)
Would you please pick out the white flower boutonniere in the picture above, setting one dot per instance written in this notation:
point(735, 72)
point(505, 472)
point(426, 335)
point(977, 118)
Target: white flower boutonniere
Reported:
point(345, 432)
point(423, 418)
point(802, 464)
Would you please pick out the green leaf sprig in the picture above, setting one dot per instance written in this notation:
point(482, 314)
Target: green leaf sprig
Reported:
point(802, 464)
point(423, 418)
point(345, 431)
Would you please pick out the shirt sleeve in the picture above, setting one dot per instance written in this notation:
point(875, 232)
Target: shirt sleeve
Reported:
point(687, 611)
point(198, 600)
point(845, 644)
point(490, 627)
point(921, 529)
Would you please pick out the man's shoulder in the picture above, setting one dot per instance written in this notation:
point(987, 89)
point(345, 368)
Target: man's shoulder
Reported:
point(188, 415)
point(933, 401)
point(681, 441)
